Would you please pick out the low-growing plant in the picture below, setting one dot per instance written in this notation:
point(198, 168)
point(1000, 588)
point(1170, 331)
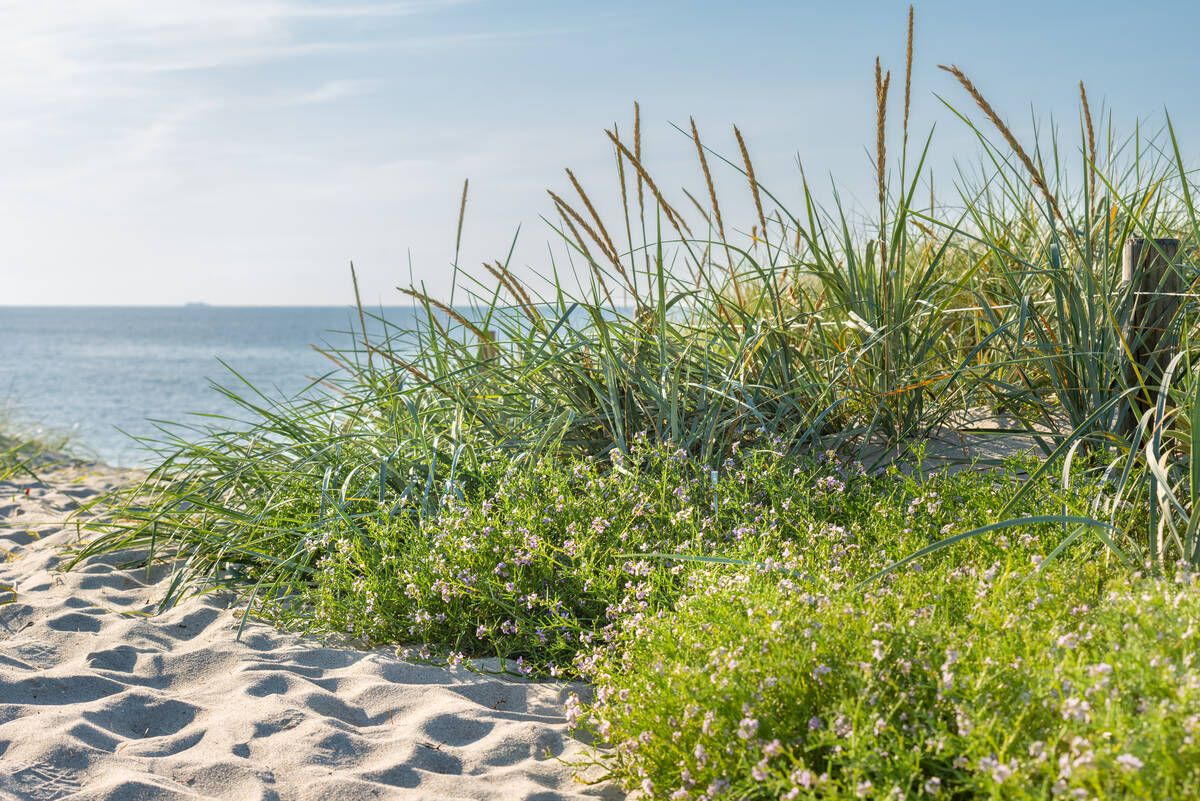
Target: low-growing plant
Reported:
point(24, 450)
point(650, 474)
point(536, 563)
point(966, 679)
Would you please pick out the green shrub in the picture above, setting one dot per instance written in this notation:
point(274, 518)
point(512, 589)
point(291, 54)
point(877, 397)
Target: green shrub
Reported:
point(966, 679)
point(539, 564)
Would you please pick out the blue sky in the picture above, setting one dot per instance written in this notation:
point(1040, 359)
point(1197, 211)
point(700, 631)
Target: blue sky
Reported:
point(244, 151)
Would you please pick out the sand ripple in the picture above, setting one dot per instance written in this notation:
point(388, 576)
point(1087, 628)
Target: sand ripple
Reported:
point(98, 701)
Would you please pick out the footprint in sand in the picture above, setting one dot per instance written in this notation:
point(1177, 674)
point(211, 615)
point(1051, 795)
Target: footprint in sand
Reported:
point(139, 716)
point(74, 621)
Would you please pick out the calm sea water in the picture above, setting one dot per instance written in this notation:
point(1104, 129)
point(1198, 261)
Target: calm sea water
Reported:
point(97, 371)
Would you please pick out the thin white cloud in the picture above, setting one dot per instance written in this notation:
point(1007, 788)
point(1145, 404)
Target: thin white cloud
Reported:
point(55, 44)
point(194, 132)
point(328, 92)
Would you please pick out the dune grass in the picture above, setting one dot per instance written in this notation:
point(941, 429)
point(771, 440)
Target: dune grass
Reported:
point(563, 475)
point(25, 449)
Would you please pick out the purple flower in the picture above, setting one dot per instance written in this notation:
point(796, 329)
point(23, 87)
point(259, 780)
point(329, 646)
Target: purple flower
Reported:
point(747, 728)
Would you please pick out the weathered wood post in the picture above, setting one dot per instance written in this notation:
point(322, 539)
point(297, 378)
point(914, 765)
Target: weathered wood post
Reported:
point(488, 349)
point(1147, 269)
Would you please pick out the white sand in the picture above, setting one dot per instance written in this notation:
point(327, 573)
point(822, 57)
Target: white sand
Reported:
point(98, 702)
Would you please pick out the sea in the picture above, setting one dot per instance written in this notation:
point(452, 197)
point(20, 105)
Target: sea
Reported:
point(107, 376)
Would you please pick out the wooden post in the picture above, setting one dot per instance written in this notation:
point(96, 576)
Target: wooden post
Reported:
point(1146, 267)
point(488, 349)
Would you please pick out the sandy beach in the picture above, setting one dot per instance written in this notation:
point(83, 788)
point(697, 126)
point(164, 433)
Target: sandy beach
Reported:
point(101, 700)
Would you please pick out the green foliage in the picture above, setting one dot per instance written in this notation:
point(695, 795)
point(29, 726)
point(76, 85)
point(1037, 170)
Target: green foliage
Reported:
point(649, 473)
point(25, 450)
point(963, 680)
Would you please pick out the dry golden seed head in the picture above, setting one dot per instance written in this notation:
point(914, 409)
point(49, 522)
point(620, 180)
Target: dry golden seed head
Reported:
point(672, 216)
point(1091, 136)
point(331, 357)
point(750, 177)
point(519, 290)
point(637, 149)
point(624, 192)
point(712, 193)
point(451, 313)
point(496, 274)
point(908, 60)
point(565, 209)
point(923, 228)
point(992, 116)
point(595, 217)
point(696, 203)
point(514, 286)
point(881, 90)
point(588, 255)
point(462, 211)
point(575, 232)
point(502, 276)
point(882, 83)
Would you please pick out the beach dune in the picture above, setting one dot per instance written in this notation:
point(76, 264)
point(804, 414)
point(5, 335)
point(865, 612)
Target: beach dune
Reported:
point(101, 700)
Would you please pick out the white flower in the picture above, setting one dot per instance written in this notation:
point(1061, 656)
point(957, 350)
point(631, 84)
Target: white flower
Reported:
point(933, 786)
point(1129, 762)
point(574, 711)
point(804, 778)
point(1076, 709)
point(747, 728)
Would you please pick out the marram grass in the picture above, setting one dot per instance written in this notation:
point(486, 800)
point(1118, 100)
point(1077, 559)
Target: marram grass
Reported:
point(570, 471)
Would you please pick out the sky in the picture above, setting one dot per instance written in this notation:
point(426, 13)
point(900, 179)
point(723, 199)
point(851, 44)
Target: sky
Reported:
point(244, 152)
